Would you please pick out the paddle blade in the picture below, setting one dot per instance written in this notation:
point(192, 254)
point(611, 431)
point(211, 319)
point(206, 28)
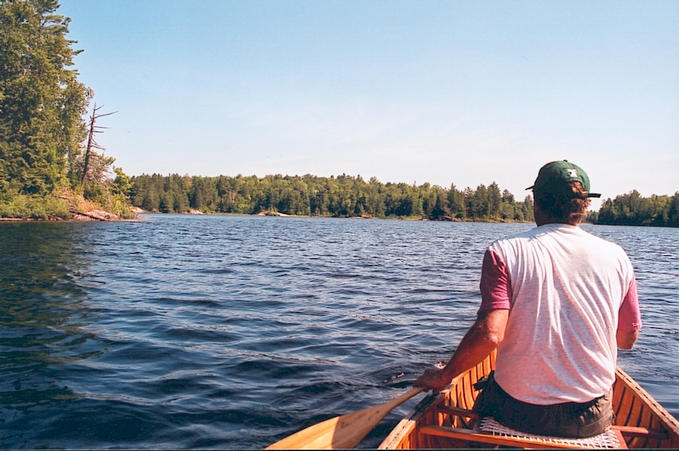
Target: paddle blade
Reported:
point(342, 432)
point(318, 436)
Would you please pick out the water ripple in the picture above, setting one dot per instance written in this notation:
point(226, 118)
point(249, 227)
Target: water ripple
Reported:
point(232, 332)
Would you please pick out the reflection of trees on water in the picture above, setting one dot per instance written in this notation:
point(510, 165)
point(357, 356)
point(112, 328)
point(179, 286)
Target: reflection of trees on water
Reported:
point(42, 309)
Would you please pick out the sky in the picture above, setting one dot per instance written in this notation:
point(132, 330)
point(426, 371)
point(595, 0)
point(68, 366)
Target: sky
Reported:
point(463, 92)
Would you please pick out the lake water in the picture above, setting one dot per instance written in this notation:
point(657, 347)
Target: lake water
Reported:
point(232, 332)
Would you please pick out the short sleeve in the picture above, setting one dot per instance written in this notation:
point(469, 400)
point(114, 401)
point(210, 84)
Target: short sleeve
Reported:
point(629, 315)
point(496, 290)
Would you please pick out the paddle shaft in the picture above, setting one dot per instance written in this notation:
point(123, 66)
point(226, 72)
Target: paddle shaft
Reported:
point(342, 432)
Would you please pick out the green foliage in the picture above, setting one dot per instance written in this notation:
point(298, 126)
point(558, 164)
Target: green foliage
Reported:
point(95, 192)
point(42, 104)
point(633, 209)
point(41, 100)
point(119, 205)
point(121, 184)
point(33, 207)
point(112, 196)
point(341, 196)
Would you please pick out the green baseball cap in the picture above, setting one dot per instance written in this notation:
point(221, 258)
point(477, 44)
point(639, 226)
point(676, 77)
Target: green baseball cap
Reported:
point(555, 176)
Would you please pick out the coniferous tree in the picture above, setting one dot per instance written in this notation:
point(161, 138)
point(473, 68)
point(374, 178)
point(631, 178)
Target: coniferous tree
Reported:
point(41, 100)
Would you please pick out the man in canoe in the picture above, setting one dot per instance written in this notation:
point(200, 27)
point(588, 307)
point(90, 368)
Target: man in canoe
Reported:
point(557, 302)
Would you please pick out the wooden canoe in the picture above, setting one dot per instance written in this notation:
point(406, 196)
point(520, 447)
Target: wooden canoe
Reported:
point(445, 420)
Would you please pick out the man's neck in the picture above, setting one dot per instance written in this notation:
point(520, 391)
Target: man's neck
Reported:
point(541, 223)
point(543, 219)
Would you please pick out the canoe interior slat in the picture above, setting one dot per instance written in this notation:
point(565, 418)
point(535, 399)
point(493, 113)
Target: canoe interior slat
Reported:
point(468, 392)
point(479, 374)
point(635, 414)
point(655, 425)
point(625, 408)
point(618, 392)
point(644, 422)
point(459, 391)
point(635, 420)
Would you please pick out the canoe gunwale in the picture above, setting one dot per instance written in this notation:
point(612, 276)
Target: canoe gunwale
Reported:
point(406, 426)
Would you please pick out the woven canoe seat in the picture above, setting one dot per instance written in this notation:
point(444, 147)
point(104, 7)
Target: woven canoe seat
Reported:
point(608, 439)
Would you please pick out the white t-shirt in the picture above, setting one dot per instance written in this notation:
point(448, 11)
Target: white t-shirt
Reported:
point(568, 292)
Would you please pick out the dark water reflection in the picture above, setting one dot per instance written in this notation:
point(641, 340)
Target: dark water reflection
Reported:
point(230, 332)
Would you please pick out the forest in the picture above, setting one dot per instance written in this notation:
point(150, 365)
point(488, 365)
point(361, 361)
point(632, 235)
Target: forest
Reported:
point(337, 196)
point(50, 165)
point(634, 209)
point(352, 196)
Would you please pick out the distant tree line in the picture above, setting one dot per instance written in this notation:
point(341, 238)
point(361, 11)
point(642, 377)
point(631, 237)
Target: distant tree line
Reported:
point(341, 196)
point(348, 196)
point(633, 209)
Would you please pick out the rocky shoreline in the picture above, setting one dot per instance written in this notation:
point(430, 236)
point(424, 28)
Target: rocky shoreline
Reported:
point(76, 216)
point(94, 215)
point(80, 216)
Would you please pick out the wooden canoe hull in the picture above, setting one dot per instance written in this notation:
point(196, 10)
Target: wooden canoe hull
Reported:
point(643, 422)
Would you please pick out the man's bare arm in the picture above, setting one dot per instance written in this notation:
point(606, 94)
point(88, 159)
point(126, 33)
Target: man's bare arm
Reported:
point(482, 337)
point(626, 340)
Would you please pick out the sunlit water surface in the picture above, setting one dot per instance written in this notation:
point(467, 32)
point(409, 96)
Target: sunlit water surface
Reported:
point(232, 332)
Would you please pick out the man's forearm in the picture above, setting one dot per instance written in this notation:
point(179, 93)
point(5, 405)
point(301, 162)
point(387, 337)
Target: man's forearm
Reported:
point(477, 343)
point(484, 336)
point(626, 340)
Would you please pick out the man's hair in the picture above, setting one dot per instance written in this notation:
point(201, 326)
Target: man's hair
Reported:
point(561, 207)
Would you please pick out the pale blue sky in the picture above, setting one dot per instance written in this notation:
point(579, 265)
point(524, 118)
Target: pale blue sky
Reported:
point(463, 92)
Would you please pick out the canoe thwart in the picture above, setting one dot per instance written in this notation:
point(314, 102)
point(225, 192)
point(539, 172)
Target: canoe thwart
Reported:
point(635, 431)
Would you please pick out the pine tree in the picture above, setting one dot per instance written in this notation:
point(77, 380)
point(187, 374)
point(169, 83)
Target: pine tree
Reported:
point(41, 100)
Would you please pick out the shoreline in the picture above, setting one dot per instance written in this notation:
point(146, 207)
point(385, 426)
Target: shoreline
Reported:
point(99, 215)
point(79, 216)
point(365, 217)
point(103, 216)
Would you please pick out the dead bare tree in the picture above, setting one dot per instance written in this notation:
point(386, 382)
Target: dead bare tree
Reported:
point(91, 143)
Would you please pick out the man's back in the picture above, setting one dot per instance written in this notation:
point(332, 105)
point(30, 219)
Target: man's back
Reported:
point(567, 287)
point(556, 302)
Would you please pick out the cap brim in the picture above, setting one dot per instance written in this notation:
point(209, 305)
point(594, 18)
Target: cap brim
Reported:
point(588, 194)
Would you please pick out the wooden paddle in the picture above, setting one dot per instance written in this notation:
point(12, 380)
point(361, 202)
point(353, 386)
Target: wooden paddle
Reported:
point(342, 432)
